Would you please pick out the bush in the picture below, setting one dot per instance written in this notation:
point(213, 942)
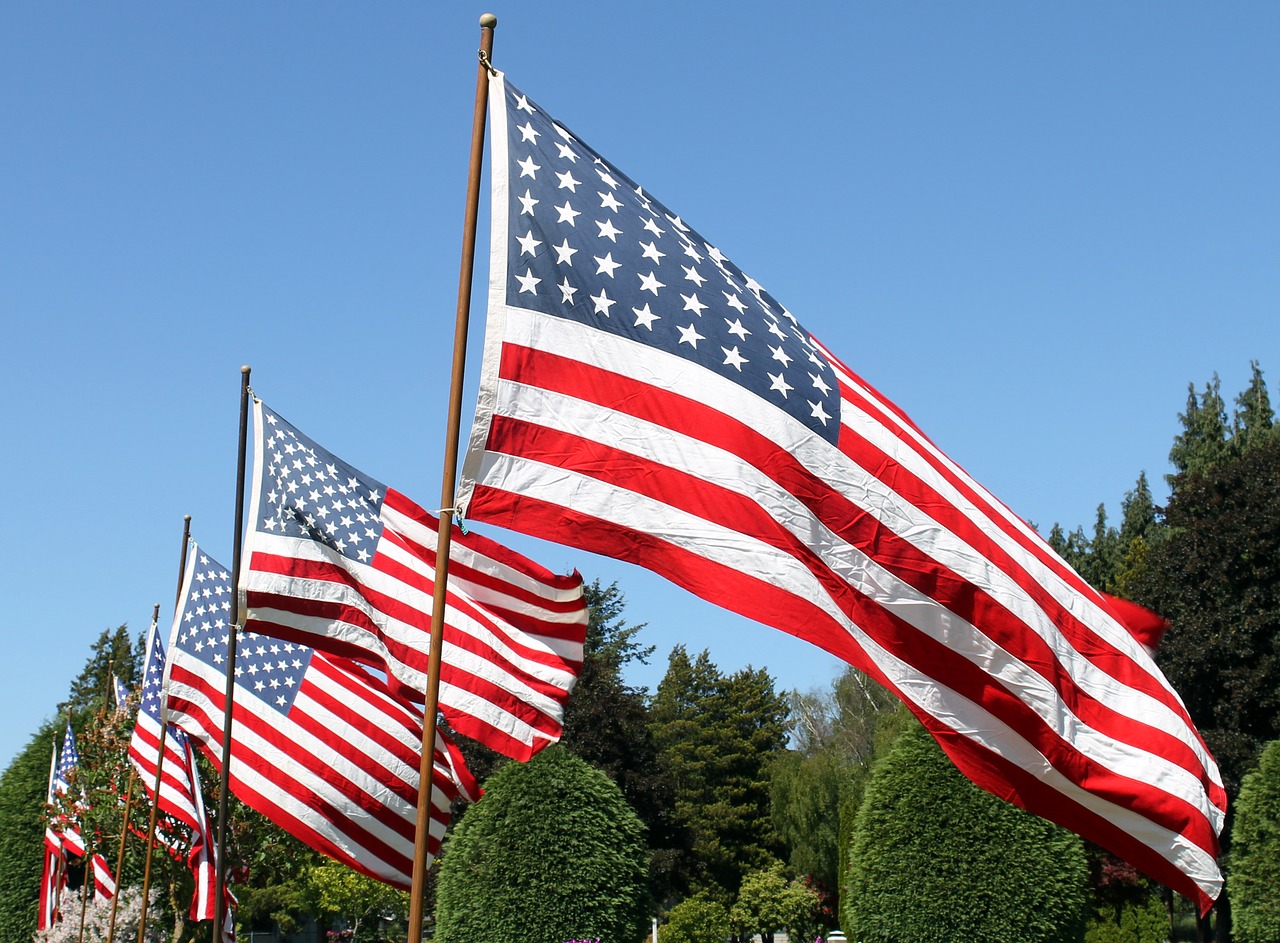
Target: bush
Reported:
point(551, 853)
point(935, 858)
point(1131, 922)
point(696, 920)
point(1254, 879)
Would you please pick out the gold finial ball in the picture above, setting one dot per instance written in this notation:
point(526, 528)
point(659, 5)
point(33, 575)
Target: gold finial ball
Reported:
point(246, 369)
point(488, 21)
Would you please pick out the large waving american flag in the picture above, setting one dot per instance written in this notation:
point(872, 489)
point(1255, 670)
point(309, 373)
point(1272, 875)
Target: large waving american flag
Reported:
point(643, 398)
point(318, 746)
point(338, 561)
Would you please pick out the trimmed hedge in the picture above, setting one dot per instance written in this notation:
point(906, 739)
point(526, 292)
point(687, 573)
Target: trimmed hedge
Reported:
point(1254, 879)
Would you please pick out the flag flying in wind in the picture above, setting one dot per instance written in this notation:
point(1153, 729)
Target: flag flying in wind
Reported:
point(641, 397)
point(338, 561)
point(53, 877)
point(317, 746)
point(62, 834)
point(180, 794)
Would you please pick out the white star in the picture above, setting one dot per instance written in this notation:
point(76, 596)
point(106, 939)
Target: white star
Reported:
point(602, 303)
point(608, 201)
point(567, 182)
point(691, 303)
point(819, 383)
point(733, 301)
point(527, 203)
point(567, 214)
point(735, 327)
point(607, 180)
point(691, 275)
point(776, 331)
point(528, 168)
point(608, 230)
point(733, 358)
point(650, 283)
point(606, 265)
point(567, 291)
point(566, 153)
point(689, 335)
point(781, 356)
point(754, 286)
point(527, 133)
point(522, 104)
point(528, 282)
point(528, 245)
point(651, 251)
point(564, 252)
point(645, 317)
point(691, 252)
point(653, 227)
point(780, 384)
point(819, 413)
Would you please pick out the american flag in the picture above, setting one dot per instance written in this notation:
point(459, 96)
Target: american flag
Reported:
point(180, 794)
point(643, 398)
point(53, 875)
point(339, 561)
point(62, 834)
point(317, 746)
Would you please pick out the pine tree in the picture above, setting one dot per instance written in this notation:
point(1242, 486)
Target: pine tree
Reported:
point(1253, 421)
point(1203, 441)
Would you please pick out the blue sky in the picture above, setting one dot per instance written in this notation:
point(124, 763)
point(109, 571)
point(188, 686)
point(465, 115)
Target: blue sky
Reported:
point(1031, 225)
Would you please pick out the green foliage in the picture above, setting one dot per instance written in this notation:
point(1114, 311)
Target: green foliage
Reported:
point(1145, 921)
point(114, 652)
point(935, 858)
point(697, 919)
point(552, 853)
point(23, 787)
point(1254, 880)
point(717, 736)
point(347, 895)
point(1216, 576)
point(768, 902)
point(1202, 443)
point(1254, 420)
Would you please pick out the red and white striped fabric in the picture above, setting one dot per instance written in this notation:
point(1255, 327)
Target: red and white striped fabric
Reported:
point(338, 562)
point(317, 746)
point(662, 408)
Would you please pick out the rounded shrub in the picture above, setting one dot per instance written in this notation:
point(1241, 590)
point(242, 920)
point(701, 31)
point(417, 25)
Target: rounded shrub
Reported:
point(696, 920)
point(936, 859)
point(551, 853)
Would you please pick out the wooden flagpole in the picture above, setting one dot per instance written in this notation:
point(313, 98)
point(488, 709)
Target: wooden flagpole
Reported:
point(448, 486)
point(128, 807)
point(164, 727)
point(224, 785)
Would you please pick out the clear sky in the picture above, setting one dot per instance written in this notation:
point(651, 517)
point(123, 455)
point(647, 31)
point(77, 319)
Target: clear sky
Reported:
point(1031, 225)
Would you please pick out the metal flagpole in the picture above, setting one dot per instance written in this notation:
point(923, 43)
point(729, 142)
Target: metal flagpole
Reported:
point(448, 486)
point(124, 828)
point(224, 786)
point(164, 727)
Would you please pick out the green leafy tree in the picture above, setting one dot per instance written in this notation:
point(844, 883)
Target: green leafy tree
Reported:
point(347, 895)
point(935, 858)
point(552, 853)
point(768, 902)
point(1253, 421)
point(1254, 879)
point(717, 736)
point(1203, 441)
point(697, 919)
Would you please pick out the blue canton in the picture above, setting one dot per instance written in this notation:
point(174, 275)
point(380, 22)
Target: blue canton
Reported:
point(309, 492)
point(270, 668)
point(586, 243)
point(68, 760)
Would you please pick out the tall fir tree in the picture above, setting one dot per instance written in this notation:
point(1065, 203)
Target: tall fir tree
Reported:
point(1253, 421)
point(1203, 441)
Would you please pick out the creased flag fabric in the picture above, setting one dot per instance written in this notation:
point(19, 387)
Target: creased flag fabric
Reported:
point(180, 793)
point(340, 562)
point(317, 746)
point(53, 874)
point(641, 397)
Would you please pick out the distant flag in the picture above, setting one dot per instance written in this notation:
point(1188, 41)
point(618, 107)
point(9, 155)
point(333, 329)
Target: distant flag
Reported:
point(121, 691)
point(337, 560)
point(63, 835)
point(180, 793)
point(643, 398)
point(53, 875)
point(318, 746)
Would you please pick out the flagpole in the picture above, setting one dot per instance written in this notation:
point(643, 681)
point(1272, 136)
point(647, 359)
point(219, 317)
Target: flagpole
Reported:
point(164, 727)
point(448, 486)
point(224, 785)
point(124, 828)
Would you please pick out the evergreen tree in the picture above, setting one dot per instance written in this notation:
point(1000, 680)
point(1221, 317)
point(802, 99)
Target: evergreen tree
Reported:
point(935, 859)
point(552, 853)
point(1203, 441)
point(23, 787)
point(1253, 421)
point(716, 736)
point(1254, 880)
point(115, 652)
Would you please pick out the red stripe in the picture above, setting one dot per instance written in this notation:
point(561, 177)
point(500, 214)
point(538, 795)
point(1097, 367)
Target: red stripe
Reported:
point(853, 524)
